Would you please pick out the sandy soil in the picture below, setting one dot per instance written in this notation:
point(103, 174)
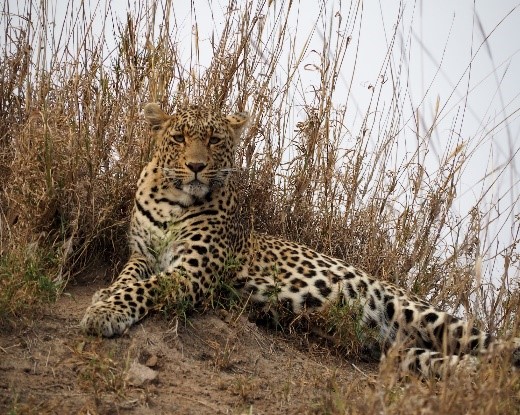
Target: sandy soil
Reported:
point(216, 363)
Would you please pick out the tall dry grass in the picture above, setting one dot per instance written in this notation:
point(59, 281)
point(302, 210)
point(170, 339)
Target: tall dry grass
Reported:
point(72, 143)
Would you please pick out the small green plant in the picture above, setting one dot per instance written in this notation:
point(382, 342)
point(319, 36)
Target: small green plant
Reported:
point(172, 299)
point(14, 407)
point(245, 387)
point(343, 321)
point(222, 294)
point(103, 373)
point(332, 402)
point(26, 282)
point(223, 354)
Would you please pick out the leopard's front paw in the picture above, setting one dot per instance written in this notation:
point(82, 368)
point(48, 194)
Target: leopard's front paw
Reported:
point(106, 319)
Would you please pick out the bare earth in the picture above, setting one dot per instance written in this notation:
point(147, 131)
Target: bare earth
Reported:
point(216, 363)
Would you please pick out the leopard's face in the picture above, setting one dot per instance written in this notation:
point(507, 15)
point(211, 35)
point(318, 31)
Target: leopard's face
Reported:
point(196, 146)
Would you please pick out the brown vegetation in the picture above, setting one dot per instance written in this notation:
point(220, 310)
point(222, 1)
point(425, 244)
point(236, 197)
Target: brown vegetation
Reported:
point(72, 143)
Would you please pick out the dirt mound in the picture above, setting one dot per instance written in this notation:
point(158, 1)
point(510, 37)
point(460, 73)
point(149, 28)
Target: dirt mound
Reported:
point(216, 363)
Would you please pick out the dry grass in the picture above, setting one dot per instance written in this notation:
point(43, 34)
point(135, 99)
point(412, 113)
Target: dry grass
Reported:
point(72, 143)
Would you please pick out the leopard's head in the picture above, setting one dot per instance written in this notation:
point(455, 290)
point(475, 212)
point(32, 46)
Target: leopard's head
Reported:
point(195, 146)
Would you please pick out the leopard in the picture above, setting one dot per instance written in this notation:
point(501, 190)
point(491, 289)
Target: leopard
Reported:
point(187, 221)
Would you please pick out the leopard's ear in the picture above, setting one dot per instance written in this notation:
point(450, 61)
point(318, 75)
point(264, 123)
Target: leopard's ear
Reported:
point(155, 115)
point(237, 122)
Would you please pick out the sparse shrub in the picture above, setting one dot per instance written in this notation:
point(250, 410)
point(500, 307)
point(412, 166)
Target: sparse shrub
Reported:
point(26, 284)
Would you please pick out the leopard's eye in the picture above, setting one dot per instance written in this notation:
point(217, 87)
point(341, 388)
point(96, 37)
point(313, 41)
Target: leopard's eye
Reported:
point(214, 140)
point(178, 138)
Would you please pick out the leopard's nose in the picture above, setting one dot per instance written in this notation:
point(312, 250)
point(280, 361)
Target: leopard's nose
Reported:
point(196, 167)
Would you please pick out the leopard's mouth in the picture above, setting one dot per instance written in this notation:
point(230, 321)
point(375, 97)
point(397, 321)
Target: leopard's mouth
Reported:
point(196, 188)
